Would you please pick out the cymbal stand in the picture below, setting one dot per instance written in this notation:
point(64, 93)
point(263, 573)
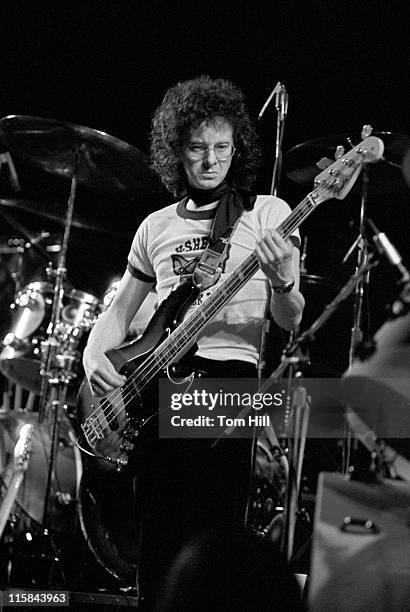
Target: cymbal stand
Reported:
point(56, 368)
point(358, 335)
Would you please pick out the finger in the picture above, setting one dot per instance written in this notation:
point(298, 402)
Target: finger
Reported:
point(278, 239)
point(267, 240)
point(102, 386)
point(110, 375)
point(260, 253)
point(270, 250)
point(97, 390)
point(275, 241)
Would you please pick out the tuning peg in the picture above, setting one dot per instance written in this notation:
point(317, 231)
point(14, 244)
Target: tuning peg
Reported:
point(340, 151)
point(324, 163)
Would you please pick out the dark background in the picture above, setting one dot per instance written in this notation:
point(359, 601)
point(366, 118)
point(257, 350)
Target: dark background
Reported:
point(107, 65)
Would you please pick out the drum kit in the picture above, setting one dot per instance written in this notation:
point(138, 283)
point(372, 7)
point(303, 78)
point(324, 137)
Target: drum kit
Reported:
point(44, 330)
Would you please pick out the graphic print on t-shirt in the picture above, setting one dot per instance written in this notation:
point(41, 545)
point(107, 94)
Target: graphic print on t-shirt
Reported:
point(182, 265)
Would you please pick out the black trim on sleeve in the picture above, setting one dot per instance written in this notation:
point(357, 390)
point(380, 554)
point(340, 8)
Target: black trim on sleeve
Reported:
point(140, 275)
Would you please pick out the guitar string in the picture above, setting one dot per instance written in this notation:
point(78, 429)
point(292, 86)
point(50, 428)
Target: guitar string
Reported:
point(151, 366)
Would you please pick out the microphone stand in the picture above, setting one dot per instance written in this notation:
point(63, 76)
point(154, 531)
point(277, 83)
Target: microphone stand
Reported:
point(281, 105)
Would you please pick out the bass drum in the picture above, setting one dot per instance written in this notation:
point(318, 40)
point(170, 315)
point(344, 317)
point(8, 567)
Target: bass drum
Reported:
point(66, 479)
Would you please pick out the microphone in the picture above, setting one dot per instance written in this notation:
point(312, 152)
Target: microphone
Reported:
point(281, 100)
point(386, 248)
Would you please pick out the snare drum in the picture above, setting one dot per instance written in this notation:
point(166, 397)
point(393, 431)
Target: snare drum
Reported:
point(20, 358)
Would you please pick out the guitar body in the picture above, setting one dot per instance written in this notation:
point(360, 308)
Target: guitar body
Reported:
point(112, 425)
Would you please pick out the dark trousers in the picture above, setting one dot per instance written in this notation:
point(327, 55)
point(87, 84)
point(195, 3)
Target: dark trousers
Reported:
point(187, 486)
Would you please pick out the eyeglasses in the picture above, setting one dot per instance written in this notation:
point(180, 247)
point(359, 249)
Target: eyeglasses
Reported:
point(223, 150)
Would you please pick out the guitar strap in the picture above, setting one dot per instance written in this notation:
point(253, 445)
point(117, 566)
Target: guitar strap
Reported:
point(207, 272)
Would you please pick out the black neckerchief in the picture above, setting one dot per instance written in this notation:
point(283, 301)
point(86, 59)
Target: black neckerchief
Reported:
point(232, 201)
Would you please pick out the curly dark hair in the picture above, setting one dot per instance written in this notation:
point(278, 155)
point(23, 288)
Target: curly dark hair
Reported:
point(187, 105)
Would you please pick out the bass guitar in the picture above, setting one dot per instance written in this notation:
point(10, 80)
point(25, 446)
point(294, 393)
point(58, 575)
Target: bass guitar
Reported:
point(111, 425)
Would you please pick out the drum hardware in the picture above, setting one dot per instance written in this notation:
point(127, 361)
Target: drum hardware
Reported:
point(375, 182)
point(23, 345)
point(358, 333)
point(294, 355)
point(30, 239)
point(15, 246)
point(98, 160)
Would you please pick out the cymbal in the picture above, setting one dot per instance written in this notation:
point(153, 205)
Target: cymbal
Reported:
point(58, 215)
point(99, 160)
point(300, 162)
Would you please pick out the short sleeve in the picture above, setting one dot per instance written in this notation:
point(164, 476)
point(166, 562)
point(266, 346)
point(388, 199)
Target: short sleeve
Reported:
point(139, 264)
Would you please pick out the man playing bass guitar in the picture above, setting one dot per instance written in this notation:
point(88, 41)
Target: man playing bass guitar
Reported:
point(204, 148)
